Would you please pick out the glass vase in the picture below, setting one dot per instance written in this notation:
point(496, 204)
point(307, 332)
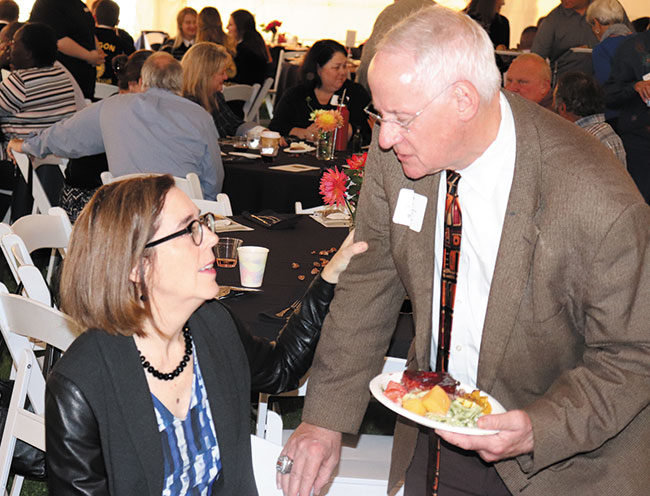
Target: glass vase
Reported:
point(325, 149)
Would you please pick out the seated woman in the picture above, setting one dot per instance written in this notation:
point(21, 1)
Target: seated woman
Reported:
point(162, 361)
point(211, 29)
point(37, 93)
point(323, 74)
point(205, 68)
point(83, 175)
point(252, 57)
point(185, 34)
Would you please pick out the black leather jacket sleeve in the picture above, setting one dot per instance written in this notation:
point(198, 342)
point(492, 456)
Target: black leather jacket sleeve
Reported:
point(278, 366)
point(75, 464)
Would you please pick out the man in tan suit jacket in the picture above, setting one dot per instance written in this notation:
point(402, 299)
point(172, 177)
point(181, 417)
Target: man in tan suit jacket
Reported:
point(565, 336)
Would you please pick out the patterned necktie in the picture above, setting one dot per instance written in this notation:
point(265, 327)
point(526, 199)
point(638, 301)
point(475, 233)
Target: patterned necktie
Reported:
point(450, 259)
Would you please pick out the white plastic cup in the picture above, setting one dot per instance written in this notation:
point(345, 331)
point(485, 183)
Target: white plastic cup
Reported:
point(252, 262)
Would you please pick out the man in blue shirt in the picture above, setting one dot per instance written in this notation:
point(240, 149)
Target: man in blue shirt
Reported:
point(157, 131)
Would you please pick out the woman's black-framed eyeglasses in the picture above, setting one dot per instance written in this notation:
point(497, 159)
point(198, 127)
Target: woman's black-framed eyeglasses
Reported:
point(194, 228)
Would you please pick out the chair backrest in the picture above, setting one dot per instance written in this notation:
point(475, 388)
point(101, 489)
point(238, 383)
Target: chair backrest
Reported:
point(264, 455)
point(103, 90)
point(190, 184)
point(220, 207)
point(22, 268)
point(242, 92)
point(41, 201)
point(278, 71)
point(253, 114)
point(51, 230)
point(270, 426)
point(22, 321)
point(153, 39)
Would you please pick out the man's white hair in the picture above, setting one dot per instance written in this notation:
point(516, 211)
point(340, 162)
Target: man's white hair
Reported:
point(447, 46)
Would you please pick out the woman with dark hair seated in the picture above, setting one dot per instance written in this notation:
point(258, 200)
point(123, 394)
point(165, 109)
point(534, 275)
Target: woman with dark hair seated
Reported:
point(154, 398)
point(38, 92)
point(205, 68)
point(324, 74)
point(211, 29)
point(252, 56)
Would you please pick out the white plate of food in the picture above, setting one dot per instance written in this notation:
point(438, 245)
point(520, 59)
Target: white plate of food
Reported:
point(460, 417)
point(299, 148)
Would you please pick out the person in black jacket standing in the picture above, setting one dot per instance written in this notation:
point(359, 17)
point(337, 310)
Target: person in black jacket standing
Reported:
point(75, 31)
point(628, 90)
point(154, 398)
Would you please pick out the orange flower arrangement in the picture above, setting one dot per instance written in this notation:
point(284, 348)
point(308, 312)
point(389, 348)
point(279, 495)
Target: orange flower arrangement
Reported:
point(326, 120)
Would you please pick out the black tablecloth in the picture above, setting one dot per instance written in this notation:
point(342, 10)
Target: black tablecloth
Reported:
point(253, 186)
point(281, 286)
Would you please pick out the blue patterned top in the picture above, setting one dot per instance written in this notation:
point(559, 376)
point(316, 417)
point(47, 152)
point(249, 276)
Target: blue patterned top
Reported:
point(190, 450)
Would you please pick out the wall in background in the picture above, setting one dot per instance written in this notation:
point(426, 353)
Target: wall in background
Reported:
point(312, 20)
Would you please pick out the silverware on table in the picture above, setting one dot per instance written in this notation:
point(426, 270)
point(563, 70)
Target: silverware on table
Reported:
point(282, 313)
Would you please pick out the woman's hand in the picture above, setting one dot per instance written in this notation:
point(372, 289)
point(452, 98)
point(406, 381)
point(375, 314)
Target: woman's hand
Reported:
point(340, 261)
point(96, 57)
point(306, 134)
point(643, 89)
point(14, 145)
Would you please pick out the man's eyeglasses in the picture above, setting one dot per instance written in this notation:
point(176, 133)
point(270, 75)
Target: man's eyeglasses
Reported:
point(403, 123)
point(194, 228)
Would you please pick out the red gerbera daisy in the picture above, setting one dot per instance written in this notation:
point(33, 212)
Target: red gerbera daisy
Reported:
point(333, 187)
point(357, 161)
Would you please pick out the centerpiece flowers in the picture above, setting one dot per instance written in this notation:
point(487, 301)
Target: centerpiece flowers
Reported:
point(272, 27)
point(327, 122)
point(341, 188)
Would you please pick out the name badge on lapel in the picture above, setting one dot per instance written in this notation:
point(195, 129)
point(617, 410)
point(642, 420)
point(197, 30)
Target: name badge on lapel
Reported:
point(410, 209)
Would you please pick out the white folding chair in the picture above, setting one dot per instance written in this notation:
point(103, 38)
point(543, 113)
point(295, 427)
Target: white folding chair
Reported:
point(265, 454)
point(151, 39)
point(103, 90)
point(41, 201)
point(270, 96)
point(242, 92)
point(365, 459)
point(253, 114)
point(50, 230)
point(23, 321)
point(220, 207)
point(190, 184)
point(24, 272)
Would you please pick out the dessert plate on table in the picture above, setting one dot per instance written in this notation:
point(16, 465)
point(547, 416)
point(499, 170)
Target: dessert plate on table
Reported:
point(306, 149)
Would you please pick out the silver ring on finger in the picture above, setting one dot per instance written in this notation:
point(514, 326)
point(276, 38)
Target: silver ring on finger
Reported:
point(284, 464)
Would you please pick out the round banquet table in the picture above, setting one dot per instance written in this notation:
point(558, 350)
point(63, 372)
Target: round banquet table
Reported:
point(253, 186)
point(281, 285)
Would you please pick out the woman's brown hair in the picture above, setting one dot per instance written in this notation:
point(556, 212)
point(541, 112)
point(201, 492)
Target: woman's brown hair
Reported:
point(200, 63)
point(210, 28)
point(107, 243)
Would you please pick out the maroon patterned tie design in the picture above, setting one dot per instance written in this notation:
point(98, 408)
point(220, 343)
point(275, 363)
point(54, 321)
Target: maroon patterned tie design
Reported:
point(450, 259)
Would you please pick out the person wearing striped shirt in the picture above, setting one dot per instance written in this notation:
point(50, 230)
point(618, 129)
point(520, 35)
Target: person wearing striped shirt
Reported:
point(37, 93)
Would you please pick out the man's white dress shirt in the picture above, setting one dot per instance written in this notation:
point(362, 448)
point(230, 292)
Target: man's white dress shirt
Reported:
point(483, 193)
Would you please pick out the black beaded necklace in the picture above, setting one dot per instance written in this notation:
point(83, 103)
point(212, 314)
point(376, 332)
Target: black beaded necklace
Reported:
point(181, 366)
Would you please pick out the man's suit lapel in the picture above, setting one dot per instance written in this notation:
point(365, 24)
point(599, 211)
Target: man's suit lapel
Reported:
point(516, 249)
point(420, 250)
